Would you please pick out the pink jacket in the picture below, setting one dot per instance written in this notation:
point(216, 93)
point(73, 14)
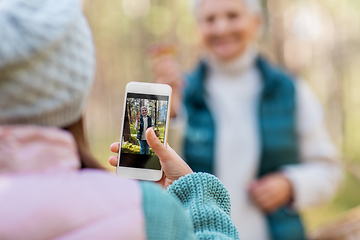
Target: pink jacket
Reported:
point(40, 179)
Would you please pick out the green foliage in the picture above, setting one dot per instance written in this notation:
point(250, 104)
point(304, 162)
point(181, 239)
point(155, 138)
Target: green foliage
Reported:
point(347, 198)
point(128, 147)
point(132, 129)
point(162, 130)
point(133, 140)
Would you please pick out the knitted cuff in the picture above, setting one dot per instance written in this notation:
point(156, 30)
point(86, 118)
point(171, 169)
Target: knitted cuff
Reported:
point(208, 202)
point(205, 186)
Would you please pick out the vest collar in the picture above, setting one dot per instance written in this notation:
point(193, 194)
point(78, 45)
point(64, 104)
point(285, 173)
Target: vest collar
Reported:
point(236, 66)
point(196, 90)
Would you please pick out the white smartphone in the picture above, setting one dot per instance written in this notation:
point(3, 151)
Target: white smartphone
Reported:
point(146, 105)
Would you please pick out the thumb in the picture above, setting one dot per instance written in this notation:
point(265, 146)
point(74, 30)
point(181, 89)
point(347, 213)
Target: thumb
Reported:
point(156, 145)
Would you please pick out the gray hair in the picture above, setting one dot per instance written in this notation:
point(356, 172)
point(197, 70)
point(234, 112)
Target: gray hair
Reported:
point(253, 5)
point(144, 107)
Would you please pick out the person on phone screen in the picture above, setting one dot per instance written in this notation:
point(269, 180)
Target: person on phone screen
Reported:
point(143, 122)
point(258, 128)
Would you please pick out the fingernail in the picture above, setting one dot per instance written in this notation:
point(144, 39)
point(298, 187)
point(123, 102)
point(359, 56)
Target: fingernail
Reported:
point(151, 132)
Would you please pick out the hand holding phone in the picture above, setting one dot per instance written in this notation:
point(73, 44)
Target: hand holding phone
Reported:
point(172, 164)
point(146, 105)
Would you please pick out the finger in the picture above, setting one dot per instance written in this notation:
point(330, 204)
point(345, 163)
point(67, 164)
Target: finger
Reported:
point(115, 147)
point(156, 145)
point(113, 161)
point(263, 198)
point(260, 195)
point(258, 189)
point(264, 202)
point(271, 206)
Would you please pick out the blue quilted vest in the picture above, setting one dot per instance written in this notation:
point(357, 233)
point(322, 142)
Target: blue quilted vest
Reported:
point(141, 129)
point(277, 124)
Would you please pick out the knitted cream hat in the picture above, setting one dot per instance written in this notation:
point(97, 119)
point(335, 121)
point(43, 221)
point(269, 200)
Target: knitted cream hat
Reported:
point(46, 62)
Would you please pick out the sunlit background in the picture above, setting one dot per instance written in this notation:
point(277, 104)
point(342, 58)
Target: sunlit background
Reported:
point(318, 40)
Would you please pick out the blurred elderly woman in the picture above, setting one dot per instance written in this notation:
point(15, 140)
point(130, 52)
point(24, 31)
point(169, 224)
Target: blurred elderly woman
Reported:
point(255, 126)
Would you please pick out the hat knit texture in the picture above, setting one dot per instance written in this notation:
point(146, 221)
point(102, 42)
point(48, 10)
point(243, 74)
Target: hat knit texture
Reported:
point(46, 62)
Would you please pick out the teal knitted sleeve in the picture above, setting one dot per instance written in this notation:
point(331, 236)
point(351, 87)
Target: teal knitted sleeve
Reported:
point(165, 217)
point(199, 208)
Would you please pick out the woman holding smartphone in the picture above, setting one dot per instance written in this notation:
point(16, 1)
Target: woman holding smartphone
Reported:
point(47, 190)
point(255, 126)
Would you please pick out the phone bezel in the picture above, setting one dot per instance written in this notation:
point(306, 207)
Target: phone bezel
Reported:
point(143, 88)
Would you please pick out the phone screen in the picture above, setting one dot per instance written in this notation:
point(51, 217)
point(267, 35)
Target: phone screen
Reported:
point(142, 112)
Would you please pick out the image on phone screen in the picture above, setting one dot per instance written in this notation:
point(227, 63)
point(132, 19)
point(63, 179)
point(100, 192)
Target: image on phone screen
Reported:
point(142, 111)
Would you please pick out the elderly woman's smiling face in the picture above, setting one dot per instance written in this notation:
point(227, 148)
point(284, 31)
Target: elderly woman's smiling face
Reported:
point(144, 111)
point(227, 27)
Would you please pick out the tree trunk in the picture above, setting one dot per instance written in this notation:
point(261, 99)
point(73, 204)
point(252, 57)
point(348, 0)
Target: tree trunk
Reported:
point(130, 113)
point(126, 125)
point(156, 113)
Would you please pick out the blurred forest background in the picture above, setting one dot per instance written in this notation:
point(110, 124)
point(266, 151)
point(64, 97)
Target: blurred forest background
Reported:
point(319, 40)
